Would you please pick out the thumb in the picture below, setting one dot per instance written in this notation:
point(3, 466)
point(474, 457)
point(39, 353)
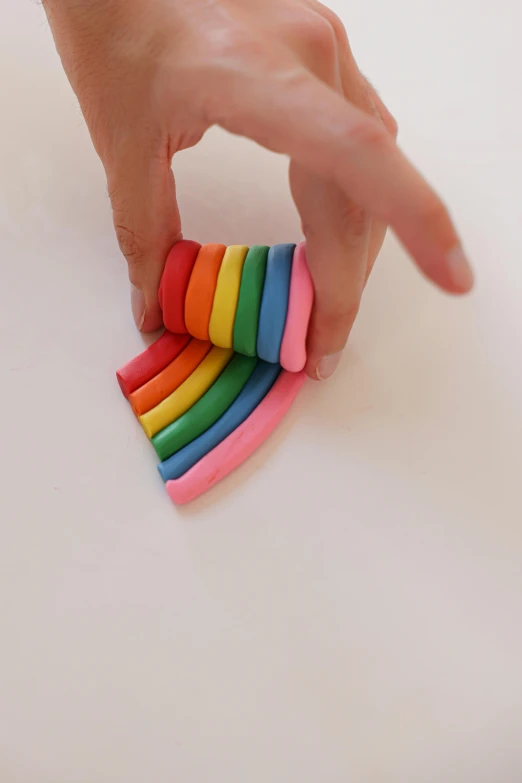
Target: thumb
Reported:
point(337, 235)
point(147, 223)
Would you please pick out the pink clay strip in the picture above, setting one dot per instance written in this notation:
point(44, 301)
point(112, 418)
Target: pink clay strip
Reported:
point(300, 301)
point(241, 443)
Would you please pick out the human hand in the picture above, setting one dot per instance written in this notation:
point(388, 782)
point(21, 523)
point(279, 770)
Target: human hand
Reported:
point(152, 76)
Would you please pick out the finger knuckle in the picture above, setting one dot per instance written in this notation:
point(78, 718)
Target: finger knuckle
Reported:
point(355, 221)
point(352, 224)
point(368, 132)
point(335, 22)
point(226, 59)
point(130, 245)
point(390, 123)
point(229, 43)
point(317, 34)
point(339, 316)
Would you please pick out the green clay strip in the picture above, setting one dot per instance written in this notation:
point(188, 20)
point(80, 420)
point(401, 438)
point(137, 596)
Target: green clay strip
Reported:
point(249, 302)
point(207, 410)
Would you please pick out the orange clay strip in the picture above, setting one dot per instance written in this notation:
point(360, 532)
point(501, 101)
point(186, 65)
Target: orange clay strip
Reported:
point(150, 362)
point(168, 380)
point(201, 289)
point(184, 397)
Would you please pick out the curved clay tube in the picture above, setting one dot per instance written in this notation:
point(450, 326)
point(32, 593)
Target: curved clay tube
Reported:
point(300, 302)
point(274, 304)
point(207, 410)
point(167, 381)
point(150, 362)
point(249, 302)
point(177, 403)
point(221, 326)
point(254, 391)
point(174, 283)
point(201, 290)
point(204, 407)
point(241, 443)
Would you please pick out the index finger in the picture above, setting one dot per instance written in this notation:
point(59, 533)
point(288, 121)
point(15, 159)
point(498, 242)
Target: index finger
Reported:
point(296, 114)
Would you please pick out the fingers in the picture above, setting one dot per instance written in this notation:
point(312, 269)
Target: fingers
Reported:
point(379, 228)
point(337, 233)
point(147, 223)
point(386, 117)
point(296, 114)
point(353, 82)
point(357, 89)
point(342, 241)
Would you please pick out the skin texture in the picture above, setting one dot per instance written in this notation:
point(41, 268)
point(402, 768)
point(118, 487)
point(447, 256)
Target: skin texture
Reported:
point(152, 76)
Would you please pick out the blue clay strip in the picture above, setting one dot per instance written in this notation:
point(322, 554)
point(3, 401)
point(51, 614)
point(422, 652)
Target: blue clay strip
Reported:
point(254, 391)
point(274, 305)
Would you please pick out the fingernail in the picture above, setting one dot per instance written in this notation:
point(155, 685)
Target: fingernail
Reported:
point(327, 366)
point(138, 306)
point(460, 269)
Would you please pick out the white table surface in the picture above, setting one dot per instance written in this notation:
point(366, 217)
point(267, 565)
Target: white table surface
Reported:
point(347, 607)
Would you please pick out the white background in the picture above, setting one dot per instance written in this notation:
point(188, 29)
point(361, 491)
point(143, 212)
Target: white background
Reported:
point(348, 606)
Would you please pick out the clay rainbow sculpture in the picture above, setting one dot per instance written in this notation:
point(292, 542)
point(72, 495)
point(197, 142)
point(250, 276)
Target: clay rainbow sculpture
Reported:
point(230, 364)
